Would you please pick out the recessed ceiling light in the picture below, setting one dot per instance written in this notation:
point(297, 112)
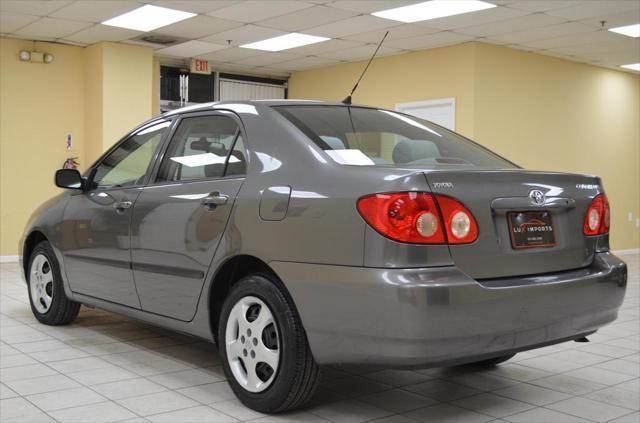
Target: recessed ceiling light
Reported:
point(284, 42)
point(628, 30)
point(432, 10)
point(148, 18)
point(632, 66)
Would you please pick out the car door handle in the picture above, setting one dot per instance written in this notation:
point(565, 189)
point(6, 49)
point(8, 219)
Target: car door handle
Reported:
point(122, 205)
point(214, 199)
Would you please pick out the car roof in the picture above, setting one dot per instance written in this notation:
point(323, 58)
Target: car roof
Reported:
point(233, 104)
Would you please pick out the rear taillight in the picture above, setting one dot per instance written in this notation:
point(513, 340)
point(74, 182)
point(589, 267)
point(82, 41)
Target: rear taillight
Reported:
point(596, 221)
point(460, 224)
point(415, 217)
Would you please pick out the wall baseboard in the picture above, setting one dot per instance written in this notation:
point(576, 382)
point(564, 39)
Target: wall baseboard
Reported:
point(9, 259)
point(630, 252)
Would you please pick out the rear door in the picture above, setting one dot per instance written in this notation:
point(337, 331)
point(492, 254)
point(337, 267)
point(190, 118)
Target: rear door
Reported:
point(180, 218)
point(95, 242)
point(505, 208)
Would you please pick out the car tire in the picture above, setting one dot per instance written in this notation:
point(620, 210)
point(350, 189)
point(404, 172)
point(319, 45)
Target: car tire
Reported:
point(49, 302)
point(260, 303)
point(492, 362)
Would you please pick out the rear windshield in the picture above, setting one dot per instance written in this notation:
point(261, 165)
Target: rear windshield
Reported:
point(372, 137)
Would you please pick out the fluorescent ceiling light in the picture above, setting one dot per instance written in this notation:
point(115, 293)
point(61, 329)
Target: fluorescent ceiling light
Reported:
point(284, 42)
point(628, 30)
point(148, 18)
point(632, 66)
point(432, 10)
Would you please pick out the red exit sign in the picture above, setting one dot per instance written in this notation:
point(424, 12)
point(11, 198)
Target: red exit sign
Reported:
point(200, 66)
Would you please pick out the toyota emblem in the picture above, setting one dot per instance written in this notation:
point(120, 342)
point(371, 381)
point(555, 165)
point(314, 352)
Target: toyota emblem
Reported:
point(537, 197)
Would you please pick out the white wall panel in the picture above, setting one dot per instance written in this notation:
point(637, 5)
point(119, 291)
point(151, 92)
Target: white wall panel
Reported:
point(244, 90)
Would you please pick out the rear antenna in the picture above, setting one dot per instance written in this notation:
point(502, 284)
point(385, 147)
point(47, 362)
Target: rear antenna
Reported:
point(347, 99)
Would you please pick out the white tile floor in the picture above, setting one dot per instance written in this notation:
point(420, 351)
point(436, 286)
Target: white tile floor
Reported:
point(108, 368)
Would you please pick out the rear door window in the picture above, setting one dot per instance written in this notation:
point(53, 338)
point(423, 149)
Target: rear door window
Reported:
point(202, 147)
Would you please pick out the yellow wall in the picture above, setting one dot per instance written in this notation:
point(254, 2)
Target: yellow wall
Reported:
point(93, 102)
point(39, 104)
point(437, 73)
point(127, 80)
point(551, 114)
point(96, 93)
point(155, 89)
point(119, 83)
point(541, 112)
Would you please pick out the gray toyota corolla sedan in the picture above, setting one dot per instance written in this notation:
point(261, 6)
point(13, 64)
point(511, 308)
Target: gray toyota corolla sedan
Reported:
point(301, 233)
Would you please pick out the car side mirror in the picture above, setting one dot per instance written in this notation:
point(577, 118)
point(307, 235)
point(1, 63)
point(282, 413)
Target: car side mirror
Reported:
point(69, 179)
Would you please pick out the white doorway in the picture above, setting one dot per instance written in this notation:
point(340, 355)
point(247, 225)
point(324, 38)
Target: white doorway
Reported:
point(441, 111)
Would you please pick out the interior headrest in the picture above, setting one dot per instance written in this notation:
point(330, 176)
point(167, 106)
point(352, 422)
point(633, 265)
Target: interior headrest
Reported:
point(411, 150)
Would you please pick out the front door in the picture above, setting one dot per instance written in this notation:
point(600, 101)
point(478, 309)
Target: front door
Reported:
point(180, 217)
point(96, 224)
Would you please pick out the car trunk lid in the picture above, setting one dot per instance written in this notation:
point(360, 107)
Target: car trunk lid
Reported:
point(516, 235)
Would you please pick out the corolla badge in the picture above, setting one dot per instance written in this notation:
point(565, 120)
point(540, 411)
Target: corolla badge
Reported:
point(537, 197)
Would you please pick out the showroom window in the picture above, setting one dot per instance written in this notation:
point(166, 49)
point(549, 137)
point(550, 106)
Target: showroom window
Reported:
point(127, 165)
point(203, 147)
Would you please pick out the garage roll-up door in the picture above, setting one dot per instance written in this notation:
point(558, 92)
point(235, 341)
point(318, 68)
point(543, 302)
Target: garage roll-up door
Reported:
point(245, 90)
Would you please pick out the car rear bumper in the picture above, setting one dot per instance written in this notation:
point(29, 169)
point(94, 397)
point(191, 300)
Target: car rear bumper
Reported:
point(439, 316)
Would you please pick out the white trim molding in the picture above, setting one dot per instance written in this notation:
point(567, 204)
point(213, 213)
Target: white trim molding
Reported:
point(630, 252)
point(9, 259)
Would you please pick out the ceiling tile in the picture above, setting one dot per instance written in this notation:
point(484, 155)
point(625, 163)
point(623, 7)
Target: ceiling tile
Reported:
point(330, 45)
point(370, 6)
point(10, 22)
point(590, 9)
point(542, 5)
point(196, 6)
point(306, 18)
point(249, 70)
point(476, 18)
point(349, 26)
point(535, 20)
point(94, 10)
point(422, 42)
point(98, 33)
point(190, 49)
point(395, 33)
point(574, 39)
point(256, 10)
point(305, 63)
point(607, 46)
point(613, 20)
point(360, 53)
point(267, 59)
point(197, 27)
point(32, 7)
point(231, 54)
point(50, 28)
point(551, 31)
point(243, 35)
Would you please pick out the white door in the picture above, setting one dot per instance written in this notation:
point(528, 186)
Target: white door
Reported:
point(441, 111)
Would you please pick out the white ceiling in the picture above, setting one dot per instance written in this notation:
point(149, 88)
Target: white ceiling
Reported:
point(570, 29)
